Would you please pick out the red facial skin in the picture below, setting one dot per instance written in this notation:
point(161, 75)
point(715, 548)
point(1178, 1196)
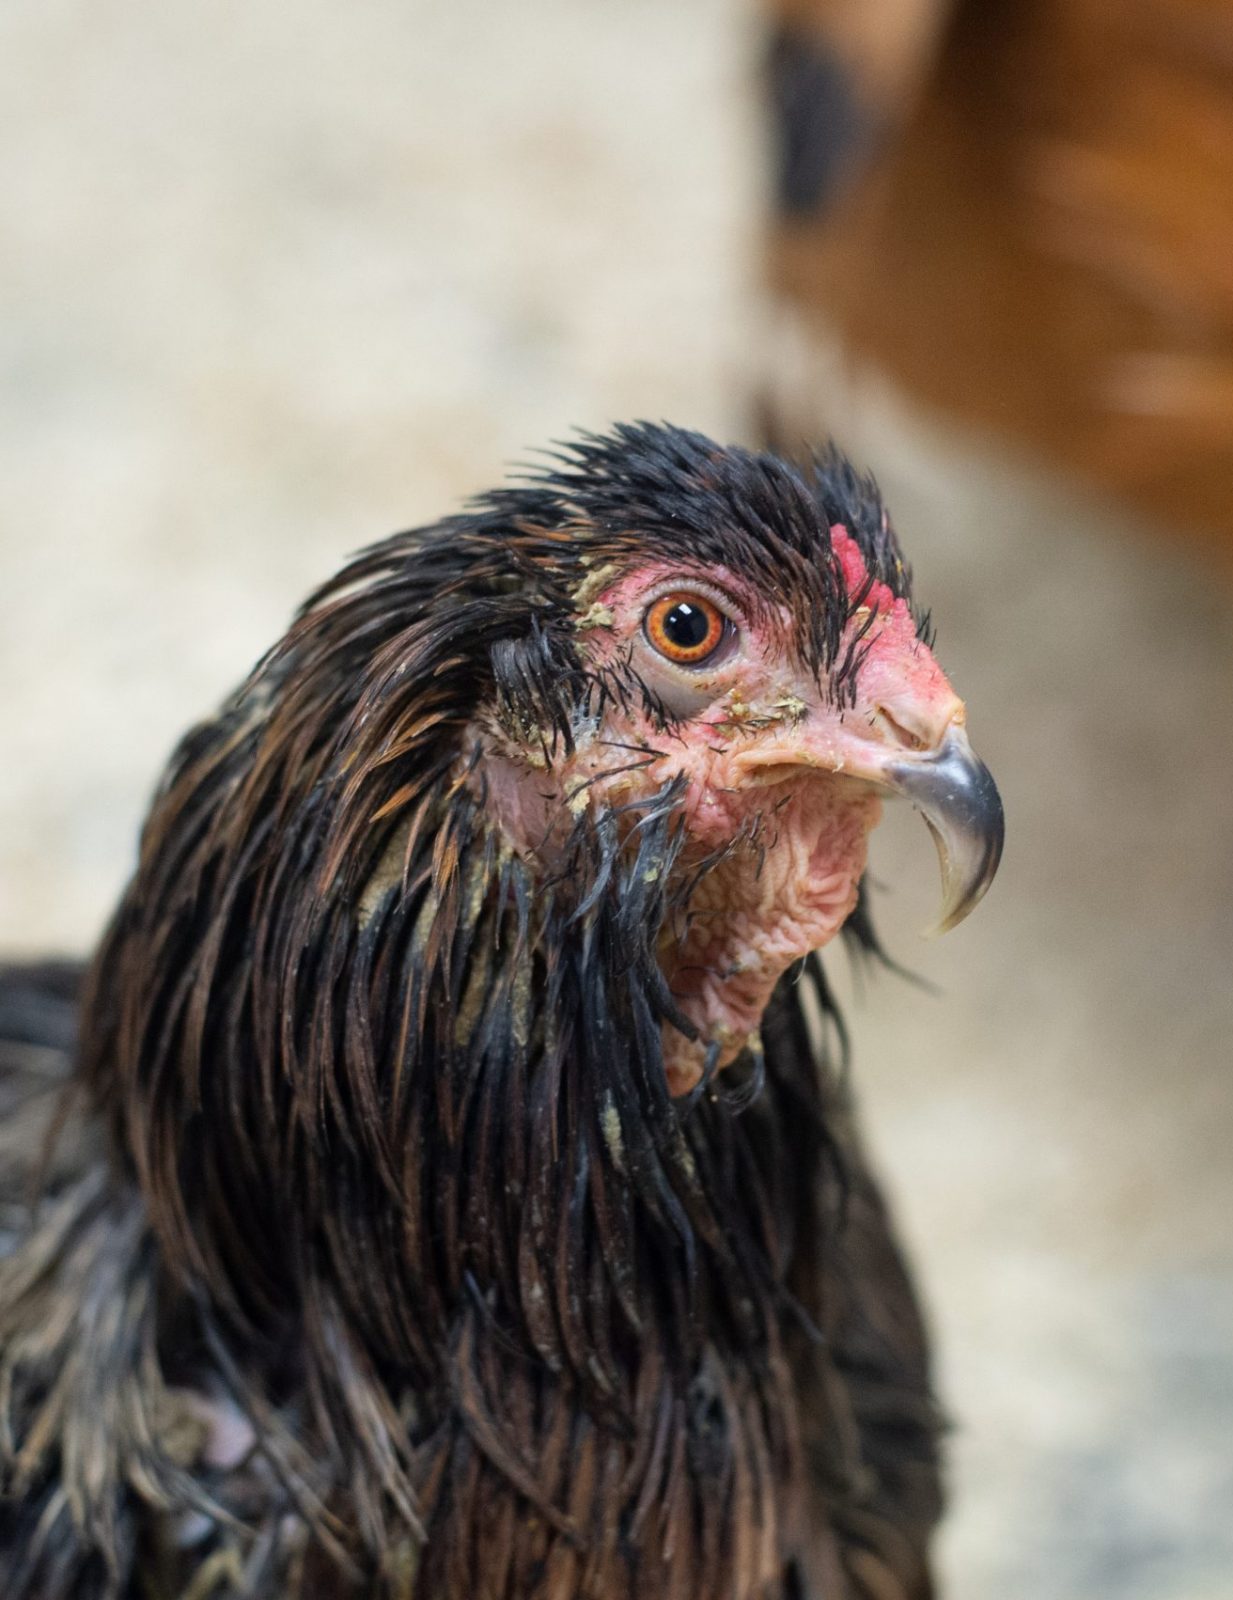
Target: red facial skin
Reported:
point(768, 759)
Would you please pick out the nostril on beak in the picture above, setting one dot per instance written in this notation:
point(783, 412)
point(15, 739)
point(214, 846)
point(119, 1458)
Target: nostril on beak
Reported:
point(917, 724)
point(900, 733)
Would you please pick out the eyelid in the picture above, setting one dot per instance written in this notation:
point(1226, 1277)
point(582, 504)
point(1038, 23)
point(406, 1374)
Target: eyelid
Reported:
point(685, 583)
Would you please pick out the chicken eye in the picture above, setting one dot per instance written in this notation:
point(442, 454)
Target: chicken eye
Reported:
point(686, 628)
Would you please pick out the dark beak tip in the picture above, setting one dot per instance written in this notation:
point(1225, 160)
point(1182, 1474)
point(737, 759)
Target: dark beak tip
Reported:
point(954, 791)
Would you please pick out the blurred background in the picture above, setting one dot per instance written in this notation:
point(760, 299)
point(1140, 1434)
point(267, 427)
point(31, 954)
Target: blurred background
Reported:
point(274, 284)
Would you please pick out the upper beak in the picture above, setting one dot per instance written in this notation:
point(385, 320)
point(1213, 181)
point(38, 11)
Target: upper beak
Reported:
point(954, 791)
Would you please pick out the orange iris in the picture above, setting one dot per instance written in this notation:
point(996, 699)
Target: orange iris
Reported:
point(685, 628)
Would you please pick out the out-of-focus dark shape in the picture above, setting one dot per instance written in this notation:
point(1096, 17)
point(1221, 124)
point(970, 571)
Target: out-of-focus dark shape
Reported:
point(1023, 211)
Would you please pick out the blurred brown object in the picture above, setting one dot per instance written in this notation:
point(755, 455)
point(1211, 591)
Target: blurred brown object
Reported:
point(1023, 211)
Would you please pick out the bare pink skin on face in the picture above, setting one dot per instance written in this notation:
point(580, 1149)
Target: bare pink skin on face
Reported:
point(772, 768)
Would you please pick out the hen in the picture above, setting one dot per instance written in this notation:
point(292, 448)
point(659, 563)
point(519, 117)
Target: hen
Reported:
point(450, 1193)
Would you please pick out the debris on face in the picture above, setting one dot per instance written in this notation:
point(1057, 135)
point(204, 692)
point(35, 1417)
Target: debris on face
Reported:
point(787, 706)
point(610, 1124)
point(596, 615)
point(594, 584)
point(790, 705)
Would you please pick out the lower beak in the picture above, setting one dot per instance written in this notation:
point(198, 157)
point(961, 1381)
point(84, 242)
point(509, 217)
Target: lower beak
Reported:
point(954, 791)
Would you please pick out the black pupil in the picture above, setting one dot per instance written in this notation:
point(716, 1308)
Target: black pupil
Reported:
point(686, 626)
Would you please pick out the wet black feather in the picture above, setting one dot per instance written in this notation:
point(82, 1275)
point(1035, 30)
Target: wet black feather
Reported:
point(374, 1149)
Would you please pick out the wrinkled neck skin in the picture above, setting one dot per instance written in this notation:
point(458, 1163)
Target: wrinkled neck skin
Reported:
point(778, 895)
point(761, 880)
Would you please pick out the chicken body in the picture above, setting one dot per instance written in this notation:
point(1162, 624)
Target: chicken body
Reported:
point(452, 1195)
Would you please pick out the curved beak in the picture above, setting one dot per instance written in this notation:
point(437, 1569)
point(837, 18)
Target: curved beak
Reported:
point(954, 791)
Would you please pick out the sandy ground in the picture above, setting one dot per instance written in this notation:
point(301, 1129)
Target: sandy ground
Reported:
point(266, 294)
